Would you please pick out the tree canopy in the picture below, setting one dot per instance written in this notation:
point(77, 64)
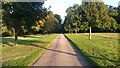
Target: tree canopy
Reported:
point(52, 23)
point(90, 14)
point(28, 17)
point(22, 15)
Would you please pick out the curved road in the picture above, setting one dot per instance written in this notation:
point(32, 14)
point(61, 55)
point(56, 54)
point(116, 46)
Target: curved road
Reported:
point(61, 53)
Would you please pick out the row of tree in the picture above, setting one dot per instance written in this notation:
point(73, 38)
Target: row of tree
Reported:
point(92, 16)
point(20, 18)
point(50, 24)
point(53, 23)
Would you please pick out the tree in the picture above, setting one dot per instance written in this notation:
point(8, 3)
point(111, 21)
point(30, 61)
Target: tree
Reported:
point(51, 24)
point(38, 26)
point(17, 15)
point(58, 24)
point(112, 11)
point(76, 18)
point(58, 18)
point(96, 14)
point(70, 22)
point(118, 18)
point(88, 16)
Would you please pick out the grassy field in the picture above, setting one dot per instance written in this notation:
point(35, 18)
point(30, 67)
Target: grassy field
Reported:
point(26, 52)
point(102, 49)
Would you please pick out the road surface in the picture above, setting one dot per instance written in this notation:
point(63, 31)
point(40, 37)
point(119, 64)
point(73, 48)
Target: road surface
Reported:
point(61, 53)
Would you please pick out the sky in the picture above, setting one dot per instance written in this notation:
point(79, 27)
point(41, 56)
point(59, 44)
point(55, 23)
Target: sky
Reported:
point(59, 6)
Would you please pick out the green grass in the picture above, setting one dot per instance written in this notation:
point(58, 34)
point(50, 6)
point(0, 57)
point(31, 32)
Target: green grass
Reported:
point(25, 53)
point(103, 51)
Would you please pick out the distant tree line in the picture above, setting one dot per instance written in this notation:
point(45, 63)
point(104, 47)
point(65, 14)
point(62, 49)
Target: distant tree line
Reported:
point(92, 17)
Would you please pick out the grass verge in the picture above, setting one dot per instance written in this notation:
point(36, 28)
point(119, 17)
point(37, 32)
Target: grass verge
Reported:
point(25, 53)
point(103, 51)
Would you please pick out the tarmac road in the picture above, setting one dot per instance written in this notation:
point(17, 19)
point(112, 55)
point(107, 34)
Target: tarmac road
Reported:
point(61, 53)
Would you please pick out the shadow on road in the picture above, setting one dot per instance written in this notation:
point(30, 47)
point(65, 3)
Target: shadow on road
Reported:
point(53, 50)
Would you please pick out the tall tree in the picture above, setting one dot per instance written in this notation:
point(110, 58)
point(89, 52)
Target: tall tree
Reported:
point(118, 18)
point(88, 16)
point(69, 20)
point(96, 14)
point(52, 23)
point(58, 27)
point(112, 11)
point(22, 14)
point(58, 18)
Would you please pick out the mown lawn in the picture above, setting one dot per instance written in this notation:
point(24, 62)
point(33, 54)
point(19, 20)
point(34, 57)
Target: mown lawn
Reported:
point(101, 50)
point(27, 50)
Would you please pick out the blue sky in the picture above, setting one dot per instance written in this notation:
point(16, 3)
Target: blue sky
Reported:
point(60, 6)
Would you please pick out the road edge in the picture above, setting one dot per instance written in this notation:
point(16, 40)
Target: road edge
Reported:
point(42, 53)
point(91, 62)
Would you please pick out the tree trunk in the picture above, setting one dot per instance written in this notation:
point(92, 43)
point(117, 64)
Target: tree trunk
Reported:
point(76, 32)
point(90, 33)
point(13, 30)
point(16, 36)
point(69, 31)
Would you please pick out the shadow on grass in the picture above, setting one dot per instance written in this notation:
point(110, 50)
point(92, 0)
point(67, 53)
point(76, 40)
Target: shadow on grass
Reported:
point(86, 57)
point(117, 63)
point(105, 58)
point(90, 60)
point(10, 41)
point(7, 41)
point(31, 36)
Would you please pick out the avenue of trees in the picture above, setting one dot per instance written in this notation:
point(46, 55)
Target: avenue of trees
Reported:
point(92, 17)
point(21, 18)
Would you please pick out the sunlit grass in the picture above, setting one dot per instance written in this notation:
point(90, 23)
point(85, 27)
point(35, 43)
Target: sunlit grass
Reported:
point(100, 49)
point(25, 53)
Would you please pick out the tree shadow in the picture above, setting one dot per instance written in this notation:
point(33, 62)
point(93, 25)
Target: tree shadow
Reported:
point(103, 58)
point(72, 54)
point(10, 41)
point(29, 42)
point(7, 41)
point(53, 50)
point(117, 63)
point(90, 60)
point(30, 36)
